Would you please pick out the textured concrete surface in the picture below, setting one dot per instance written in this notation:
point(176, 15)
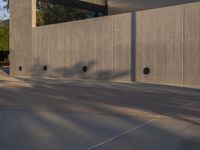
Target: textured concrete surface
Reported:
point(38, 113)
point(22, 19)
point(192, 44)
point(124, 6)
point(159, 45)
point(114, 47)
point(167, 41)
point(102, 44)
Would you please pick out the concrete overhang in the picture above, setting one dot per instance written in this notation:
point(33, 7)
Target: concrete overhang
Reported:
point(99, 6)
point(123, 6)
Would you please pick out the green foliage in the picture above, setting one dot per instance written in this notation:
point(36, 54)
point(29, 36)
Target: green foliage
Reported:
point(4, 37)
point(47, 13)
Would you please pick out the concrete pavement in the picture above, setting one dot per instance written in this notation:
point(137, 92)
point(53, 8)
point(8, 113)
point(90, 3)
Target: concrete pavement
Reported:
point(4, 70)
point(63, 114)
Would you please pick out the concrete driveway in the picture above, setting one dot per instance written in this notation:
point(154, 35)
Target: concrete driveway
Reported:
point(60, 114)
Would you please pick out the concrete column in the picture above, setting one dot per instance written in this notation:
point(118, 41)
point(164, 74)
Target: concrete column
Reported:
point(22, 20)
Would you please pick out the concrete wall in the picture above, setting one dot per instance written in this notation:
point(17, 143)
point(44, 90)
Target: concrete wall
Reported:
point(102, 44)
point(115, 47)
point(168, 42)
point(191, 46)
point(22, 19)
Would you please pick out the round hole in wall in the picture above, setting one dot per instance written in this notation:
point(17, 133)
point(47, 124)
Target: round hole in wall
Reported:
point(20, 68)
point(84, 69)
point(146, 71)
point(45, 68)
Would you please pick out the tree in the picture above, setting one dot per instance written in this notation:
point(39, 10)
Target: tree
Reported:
point(48, 13)
point(4, 37)
point(3, 13)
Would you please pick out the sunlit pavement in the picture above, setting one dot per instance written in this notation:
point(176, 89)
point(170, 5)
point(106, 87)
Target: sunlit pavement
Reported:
point(63, 114)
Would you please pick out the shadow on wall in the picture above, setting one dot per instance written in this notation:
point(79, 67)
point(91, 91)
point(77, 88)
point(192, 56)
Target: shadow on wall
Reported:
point(133, 47)
point(79, 70)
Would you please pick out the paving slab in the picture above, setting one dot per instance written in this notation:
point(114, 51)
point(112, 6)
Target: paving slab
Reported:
point(60, 114)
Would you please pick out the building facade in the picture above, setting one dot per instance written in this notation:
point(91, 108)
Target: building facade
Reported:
point(140, 40)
